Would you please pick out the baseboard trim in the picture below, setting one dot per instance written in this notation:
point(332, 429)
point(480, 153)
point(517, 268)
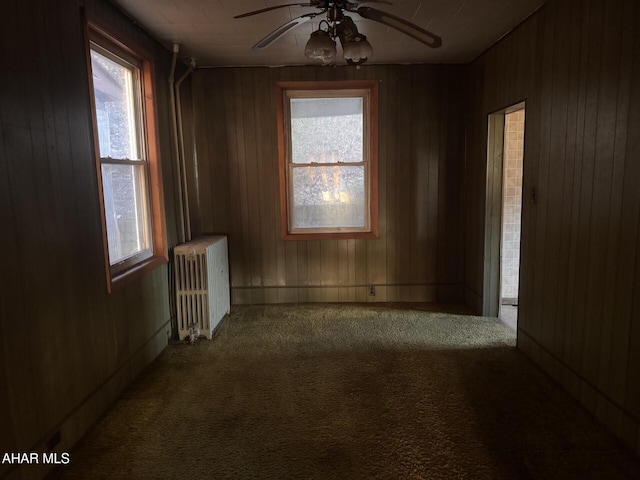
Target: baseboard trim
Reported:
point(431, 293)
point(619, 422)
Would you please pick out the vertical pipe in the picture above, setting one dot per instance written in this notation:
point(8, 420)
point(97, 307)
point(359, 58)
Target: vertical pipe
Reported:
point(183, 169)
point(174, 128)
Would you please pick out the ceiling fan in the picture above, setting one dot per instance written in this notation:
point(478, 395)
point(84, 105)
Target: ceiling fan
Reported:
point(355, 47)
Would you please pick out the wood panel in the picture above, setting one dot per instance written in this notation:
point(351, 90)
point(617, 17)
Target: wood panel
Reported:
point(572, 169)
point(606, 216)
point(579, 296)
point(627, 147)
point(391, 178)
point(419, 154)
point(450, 186)
point(62, 337)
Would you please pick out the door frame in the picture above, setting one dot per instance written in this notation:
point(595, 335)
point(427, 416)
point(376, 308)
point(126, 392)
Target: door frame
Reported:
point(493, 209)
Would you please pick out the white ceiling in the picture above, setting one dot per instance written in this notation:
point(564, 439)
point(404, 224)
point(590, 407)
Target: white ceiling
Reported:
point(207, 31)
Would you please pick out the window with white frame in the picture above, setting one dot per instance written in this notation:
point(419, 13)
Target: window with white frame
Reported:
point(328, 160)
point(121, 117)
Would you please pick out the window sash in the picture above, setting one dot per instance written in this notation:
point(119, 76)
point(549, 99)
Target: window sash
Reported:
point(139, 208)
point(339, 206)
point(135, 99)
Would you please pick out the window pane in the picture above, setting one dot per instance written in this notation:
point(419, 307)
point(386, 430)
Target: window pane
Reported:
point(328, 197)
point(115, 108)
point(326, 130)
point(126, 210)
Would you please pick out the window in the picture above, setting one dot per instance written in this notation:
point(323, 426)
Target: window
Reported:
point(328, 159)
point(127, 160)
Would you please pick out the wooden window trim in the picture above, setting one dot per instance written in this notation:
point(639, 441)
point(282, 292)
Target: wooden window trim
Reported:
point(160, 256)
point(372, 87)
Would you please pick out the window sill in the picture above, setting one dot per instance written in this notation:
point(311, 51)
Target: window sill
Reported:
point(118, 281)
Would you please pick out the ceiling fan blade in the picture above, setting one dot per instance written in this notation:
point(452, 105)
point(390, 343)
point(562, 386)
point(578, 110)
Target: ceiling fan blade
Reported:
point(401, 25)
point(281, 30)
point(262, 10)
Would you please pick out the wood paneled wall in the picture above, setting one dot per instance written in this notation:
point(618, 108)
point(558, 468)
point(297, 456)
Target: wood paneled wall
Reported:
point(419, 253)
point(67, 347)
point(577, 65)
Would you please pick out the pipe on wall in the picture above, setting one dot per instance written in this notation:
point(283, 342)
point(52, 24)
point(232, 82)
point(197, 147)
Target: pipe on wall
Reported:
point(184, 221)
point(186, 216)
point(174, 129)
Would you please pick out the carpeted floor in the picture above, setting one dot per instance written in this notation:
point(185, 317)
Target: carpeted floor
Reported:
point(348, 392)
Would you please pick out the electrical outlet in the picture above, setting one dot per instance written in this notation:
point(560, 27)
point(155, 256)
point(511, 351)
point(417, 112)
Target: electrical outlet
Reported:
point(372, 291)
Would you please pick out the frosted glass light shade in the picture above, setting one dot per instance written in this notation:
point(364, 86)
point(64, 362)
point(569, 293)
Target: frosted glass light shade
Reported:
point(357, 51)
point(320, 47)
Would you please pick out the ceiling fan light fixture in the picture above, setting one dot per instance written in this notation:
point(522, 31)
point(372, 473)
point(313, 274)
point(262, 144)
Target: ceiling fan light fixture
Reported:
point(356, 48)
point(357, 52)
point(321, 47)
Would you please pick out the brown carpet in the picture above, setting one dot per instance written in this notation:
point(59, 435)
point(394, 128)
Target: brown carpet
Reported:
point(348, 392)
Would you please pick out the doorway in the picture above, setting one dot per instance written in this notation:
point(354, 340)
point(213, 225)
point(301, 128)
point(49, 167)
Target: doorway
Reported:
point(505, 155)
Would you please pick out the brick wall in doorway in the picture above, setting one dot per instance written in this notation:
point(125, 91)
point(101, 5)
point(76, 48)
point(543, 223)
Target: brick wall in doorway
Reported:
point(512, 202)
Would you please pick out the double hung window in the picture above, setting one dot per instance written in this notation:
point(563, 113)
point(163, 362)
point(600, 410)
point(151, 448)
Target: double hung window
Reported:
point(328, 161)
point(126, 159)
